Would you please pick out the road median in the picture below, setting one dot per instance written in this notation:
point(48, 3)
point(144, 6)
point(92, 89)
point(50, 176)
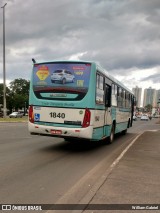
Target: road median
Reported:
point(10, 120)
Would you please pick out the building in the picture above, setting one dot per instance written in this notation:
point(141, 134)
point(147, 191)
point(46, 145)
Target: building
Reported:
point(158, 96)
point(150, 97)
point(138, 93)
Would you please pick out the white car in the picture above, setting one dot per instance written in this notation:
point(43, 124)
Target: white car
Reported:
point(16, 115)
point(134, 117)
point(62, 76)
point(144, 118)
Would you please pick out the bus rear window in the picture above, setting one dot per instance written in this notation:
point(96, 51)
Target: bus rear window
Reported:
point(61, 81)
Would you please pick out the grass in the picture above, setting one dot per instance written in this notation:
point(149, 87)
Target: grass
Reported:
point(7, 119)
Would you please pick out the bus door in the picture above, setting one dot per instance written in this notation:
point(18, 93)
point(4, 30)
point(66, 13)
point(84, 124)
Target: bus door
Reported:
point(107, 114)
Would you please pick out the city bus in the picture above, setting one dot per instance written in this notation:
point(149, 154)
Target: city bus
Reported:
point(78, 100)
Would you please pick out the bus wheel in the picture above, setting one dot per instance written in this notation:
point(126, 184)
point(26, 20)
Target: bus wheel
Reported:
point(124, 132)
point(111, 137)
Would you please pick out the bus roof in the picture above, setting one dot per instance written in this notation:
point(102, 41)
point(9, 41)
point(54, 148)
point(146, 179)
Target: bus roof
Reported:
point(101, 69)
point(106, 73)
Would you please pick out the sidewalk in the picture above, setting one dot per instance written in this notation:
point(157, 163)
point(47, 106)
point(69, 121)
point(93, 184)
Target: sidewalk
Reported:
point(136, 178)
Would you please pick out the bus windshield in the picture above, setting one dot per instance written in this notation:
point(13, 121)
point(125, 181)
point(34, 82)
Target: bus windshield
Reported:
point(61, 81)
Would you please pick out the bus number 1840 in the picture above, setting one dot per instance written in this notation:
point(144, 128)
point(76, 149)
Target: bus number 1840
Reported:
point(57, 115)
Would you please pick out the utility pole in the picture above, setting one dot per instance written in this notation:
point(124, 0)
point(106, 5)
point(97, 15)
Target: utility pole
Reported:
point(4, 65)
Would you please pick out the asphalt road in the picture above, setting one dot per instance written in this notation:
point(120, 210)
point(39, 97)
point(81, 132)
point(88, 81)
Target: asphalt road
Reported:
point(46, 170)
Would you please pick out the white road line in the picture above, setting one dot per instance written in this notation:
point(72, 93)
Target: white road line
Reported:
point(93, 190)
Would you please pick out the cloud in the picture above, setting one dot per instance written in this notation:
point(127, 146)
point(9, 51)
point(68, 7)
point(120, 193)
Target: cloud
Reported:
point(120, 35)
point(154, 78)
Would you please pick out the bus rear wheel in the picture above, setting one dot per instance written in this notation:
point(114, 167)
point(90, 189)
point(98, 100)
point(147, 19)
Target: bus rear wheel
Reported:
point(124, 132)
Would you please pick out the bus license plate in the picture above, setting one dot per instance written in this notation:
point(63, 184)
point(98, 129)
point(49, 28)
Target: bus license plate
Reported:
point(56, 132)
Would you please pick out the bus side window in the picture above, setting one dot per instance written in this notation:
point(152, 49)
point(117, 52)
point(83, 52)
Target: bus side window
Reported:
point(107, 95)
point(114, 95)
point(99, 89)
point(124, 98)
point(130, 100)
point(119, 97)
point(127, 102)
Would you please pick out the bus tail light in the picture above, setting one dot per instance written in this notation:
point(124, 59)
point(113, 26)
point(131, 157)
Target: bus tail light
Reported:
point(87, 117)
point(31, 116)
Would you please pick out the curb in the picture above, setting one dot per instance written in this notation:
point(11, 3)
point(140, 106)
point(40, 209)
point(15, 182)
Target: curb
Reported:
point(89, 196)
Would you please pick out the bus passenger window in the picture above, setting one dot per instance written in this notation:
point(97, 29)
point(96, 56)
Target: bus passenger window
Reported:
point(127, 96)
point(124, 98)
point(97, 80)
point(114, 95)
point(99, 89)
point(101, 82)
point(120, 97)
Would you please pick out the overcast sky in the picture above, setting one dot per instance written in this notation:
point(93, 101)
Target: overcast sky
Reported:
point(123, 36)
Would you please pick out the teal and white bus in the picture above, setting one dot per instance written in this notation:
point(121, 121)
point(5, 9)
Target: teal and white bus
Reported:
point(78, 100)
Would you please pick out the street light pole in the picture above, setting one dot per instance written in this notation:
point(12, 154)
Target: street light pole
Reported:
point(4, 65)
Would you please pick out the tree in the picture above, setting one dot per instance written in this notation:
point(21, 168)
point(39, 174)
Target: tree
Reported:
point(7, 96)
point(148, 108)
point(19, 93)
point(1, 93)
point(20, 86)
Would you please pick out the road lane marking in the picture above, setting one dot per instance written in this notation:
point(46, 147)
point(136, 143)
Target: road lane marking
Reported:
point(88, 197)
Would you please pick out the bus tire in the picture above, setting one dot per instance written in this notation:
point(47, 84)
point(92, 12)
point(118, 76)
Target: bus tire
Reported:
point(124, 132)
point(129, 124)
point(111, 137)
